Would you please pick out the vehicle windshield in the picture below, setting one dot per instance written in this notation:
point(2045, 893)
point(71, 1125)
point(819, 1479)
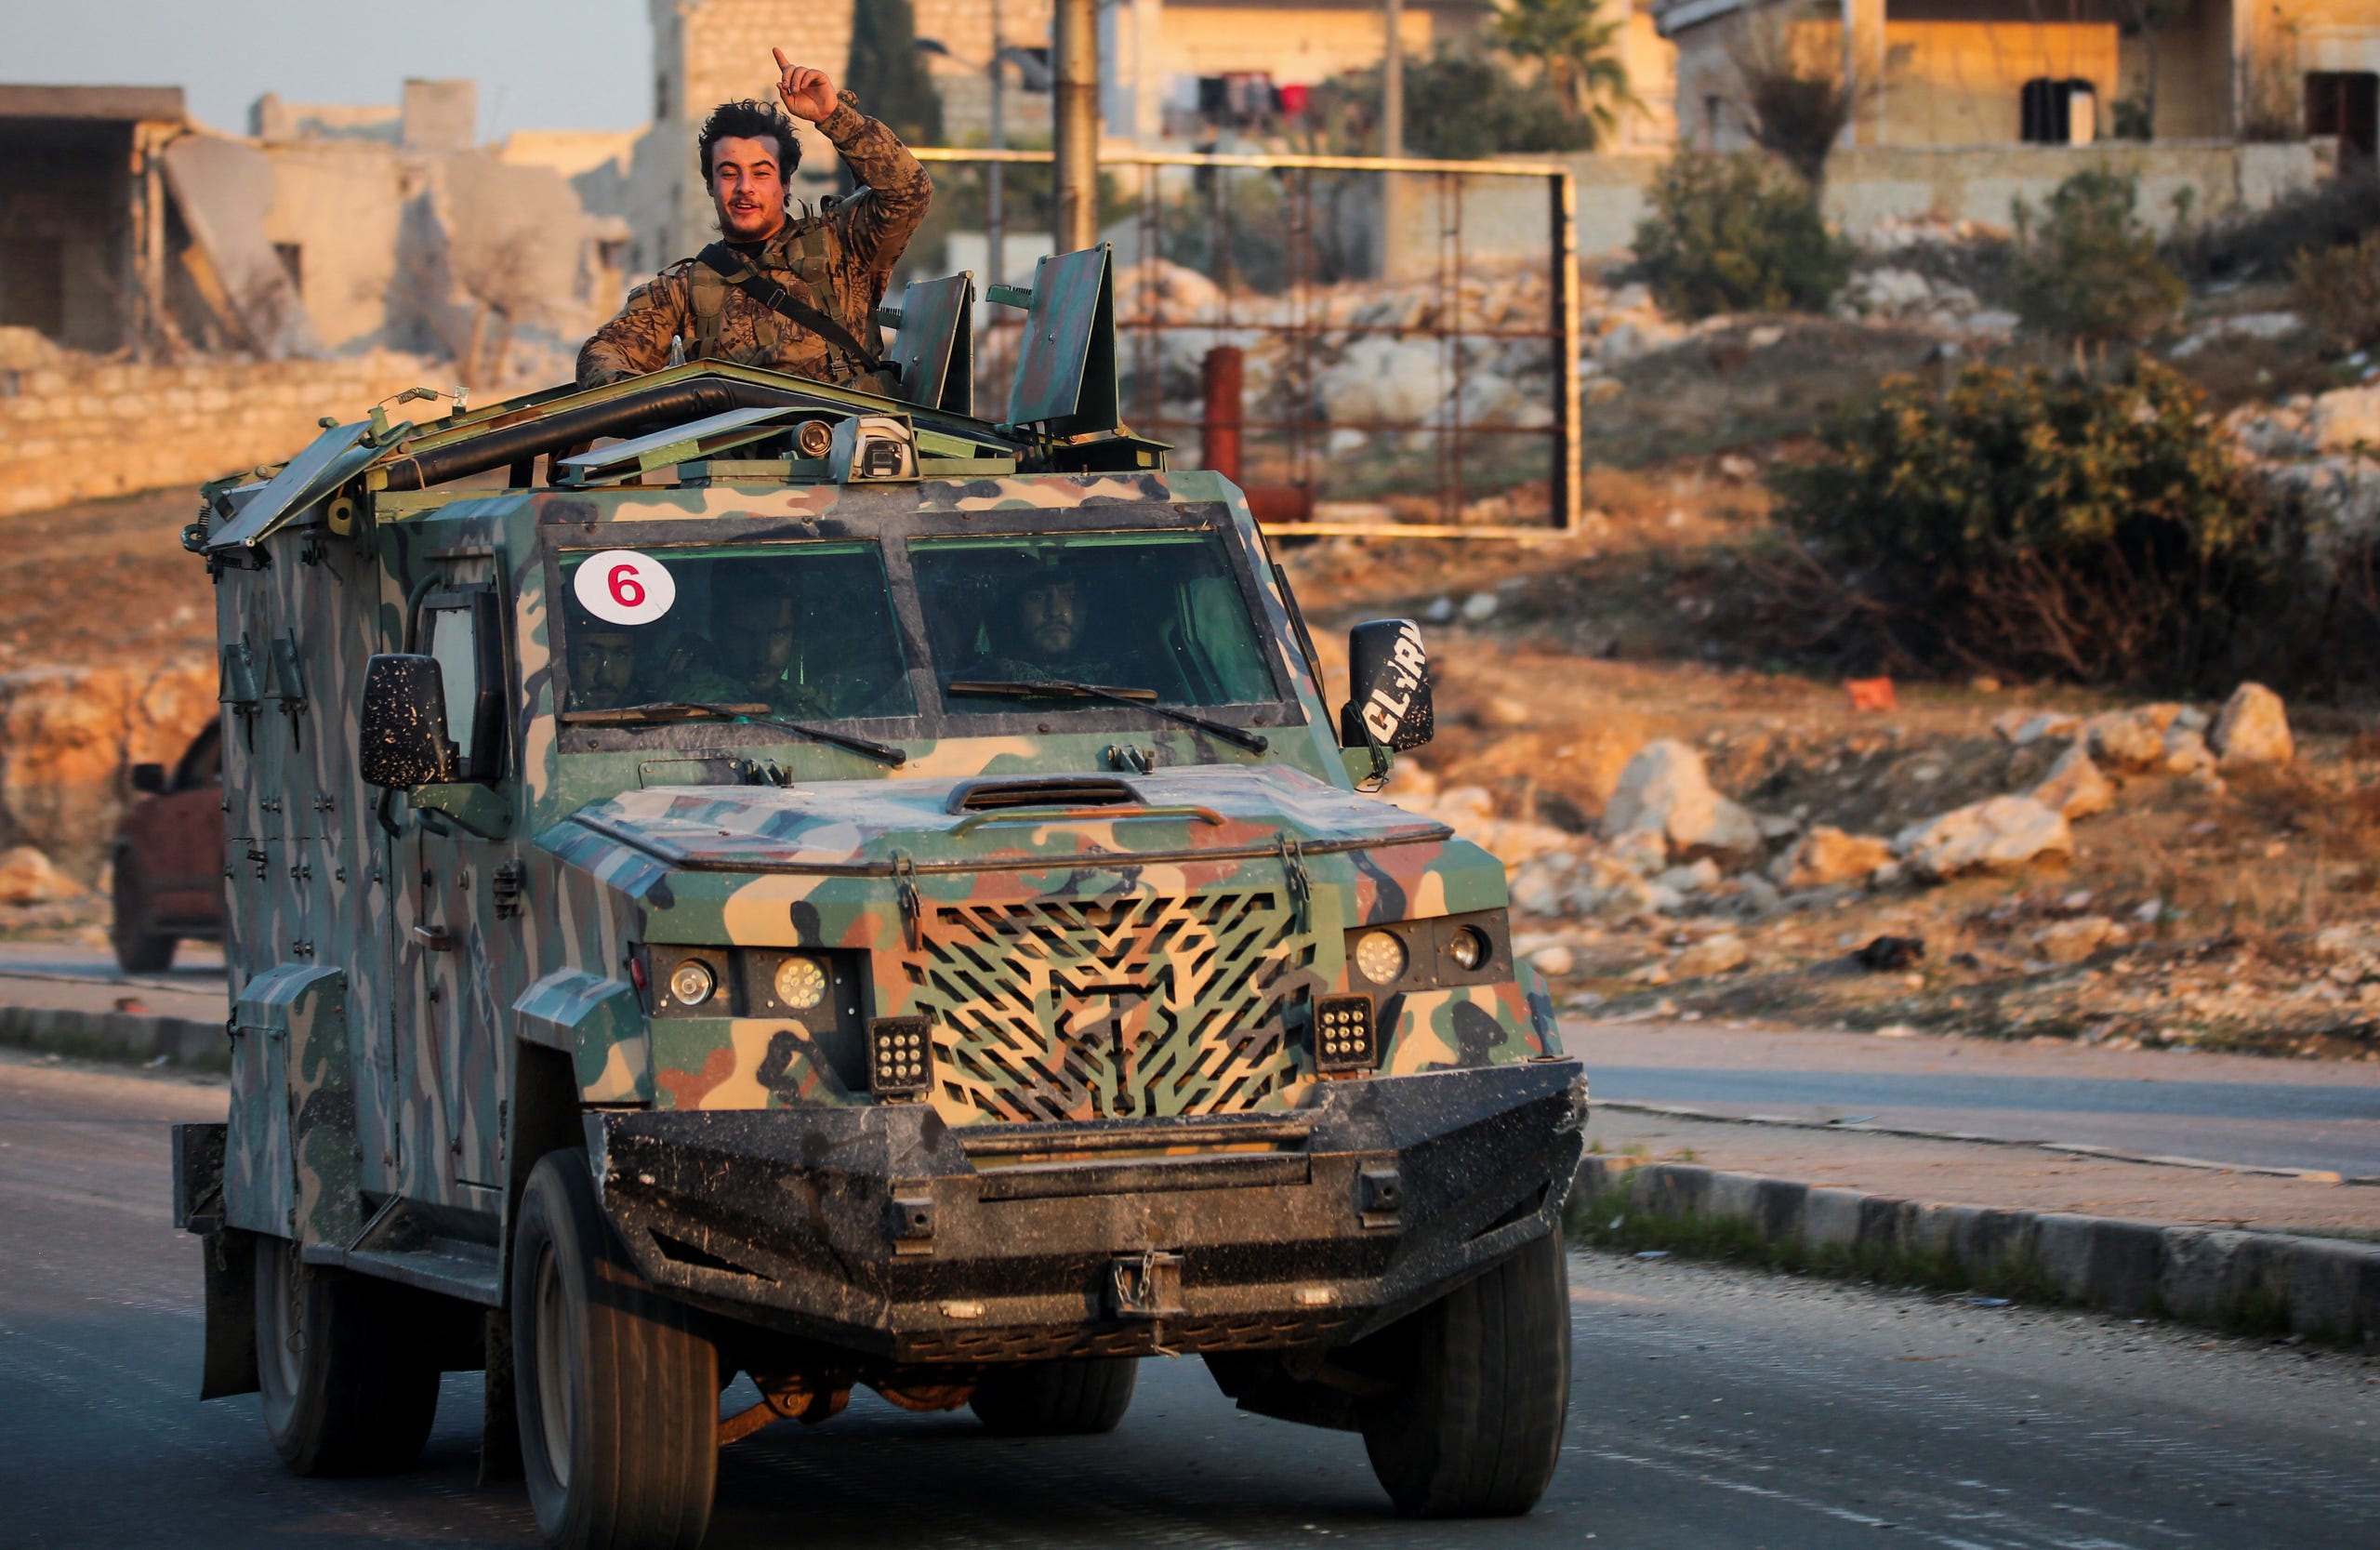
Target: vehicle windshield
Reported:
point(1157, 611)
point(803, 631)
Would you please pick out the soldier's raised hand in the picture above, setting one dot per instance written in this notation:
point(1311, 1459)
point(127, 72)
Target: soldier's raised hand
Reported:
point(807, 93)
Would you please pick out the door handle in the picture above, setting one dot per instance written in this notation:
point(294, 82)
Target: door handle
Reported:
point(435, 939)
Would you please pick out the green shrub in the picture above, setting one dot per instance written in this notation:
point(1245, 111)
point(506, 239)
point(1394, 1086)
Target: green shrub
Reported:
point(2086, 529)
point(1734, 235)
point(2086, 270)
point(2337, 292)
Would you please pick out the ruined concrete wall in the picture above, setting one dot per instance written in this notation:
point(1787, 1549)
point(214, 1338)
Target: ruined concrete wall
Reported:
point(78, 426)
point(1873, 184)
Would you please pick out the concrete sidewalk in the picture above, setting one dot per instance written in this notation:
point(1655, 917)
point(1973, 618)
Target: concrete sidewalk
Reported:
point(75, 1001)
point(2242, 1250)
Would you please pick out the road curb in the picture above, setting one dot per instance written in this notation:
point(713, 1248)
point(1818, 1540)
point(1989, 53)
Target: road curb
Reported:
point(2258, 1282)
point(138, 1036)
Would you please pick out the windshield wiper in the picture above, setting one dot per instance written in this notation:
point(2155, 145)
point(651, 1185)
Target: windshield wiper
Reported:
point(661, 711)
point(1145, 699)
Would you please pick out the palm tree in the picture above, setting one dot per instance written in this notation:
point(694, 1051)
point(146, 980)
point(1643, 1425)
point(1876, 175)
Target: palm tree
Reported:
point(1574, 49)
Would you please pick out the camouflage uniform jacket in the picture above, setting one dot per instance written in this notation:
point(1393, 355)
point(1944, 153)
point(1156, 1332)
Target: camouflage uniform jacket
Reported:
point(838, 261)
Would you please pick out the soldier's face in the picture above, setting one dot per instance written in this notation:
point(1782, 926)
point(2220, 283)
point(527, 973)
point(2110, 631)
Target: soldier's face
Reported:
point(601, 664)
point(1051, 616)
point(747, 187)
point(762, 637)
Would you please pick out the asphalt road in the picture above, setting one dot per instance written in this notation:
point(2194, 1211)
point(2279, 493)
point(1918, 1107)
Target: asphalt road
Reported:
point(1711, 1407)
point(2226, 1109)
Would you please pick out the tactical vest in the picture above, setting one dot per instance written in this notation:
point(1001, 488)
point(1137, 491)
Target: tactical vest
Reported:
point(813, 251)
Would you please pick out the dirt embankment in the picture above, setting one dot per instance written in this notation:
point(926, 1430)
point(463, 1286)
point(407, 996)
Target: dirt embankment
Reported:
point(2234, 909)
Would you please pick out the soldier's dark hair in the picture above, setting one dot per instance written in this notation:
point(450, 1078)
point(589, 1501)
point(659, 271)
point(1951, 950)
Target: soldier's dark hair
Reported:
point(750, 120)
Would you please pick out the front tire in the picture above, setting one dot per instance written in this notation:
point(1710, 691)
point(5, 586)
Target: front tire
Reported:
point(617, 1394)
point(348, 1386)
point(1057, 1398)
point(1475, 1427)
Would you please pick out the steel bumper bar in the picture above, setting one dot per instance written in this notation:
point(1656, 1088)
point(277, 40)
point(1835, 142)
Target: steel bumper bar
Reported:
point(882, 1230)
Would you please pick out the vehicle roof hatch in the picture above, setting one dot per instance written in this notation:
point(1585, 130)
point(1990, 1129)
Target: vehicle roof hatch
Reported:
point(333, 459)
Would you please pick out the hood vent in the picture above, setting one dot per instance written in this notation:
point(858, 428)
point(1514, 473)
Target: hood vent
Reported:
point(991, 796)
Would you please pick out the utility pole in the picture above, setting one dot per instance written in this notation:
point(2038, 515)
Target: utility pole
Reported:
point(996, 175)
point(1074, 159)
point(1392, 81)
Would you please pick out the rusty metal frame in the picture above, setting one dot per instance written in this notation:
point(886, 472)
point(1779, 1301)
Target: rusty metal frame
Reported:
point(1304, 334)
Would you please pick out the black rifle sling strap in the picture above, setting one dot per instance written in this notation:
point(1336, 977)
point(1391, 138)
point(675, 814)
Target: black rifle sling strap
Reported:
point(730, 266)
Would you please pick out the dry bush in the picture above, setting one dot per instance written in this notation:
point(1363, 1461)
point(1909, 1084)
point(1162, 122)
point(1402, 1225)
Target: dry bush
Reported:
point(2095, 531)
point(1795, 97)
point(2337, 292)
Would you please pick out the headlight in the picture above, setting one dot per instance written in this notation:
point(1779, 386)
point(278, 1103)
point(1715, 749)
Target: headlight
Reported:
point(1468, 947)
point(692, 982)
point(1380, 957)
point(800, 984)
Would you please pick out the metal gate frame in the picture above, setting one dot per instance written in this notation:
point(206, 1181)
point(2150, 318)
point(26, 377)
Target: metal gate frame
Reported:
point(1561, 209)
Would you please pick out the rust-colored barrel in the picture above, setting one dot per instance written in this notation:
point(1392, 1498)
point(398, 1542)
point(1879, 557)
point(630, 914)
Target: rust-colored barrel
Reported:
point(1219, 426)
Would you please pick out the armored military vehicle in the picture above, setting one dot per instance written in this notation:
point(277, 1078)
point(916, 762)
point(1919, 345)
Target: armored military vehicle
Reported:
point(731, 876)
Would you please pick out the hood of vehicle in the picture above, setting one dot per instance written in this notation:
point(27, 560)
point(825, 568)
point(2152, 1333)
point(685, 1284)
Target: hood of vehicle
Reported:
point(875, 825)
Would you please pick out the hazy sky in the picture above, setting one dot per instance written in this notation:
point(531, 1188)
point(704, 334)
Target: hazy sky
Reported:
point(541, 64)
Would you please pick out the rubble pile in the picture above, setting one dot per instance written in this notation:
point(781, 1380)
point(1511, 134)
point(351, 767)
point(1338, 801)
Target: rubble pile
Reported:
point(2324, 449)
point(1682, 886)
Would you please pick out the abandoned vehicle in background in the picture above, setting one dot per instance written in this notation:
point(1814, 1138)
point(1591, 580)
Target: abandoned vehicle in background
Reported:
point(167, 864)
point(733, 875)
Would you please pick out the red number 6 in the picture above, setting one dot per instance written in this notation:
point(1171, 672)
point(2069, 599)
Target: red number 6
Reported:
point(627, 590)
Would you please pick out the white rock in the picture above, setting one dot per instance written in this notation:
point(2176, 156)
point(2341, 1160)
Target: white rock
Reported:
point(2000, 834)
point(2345, 416)
point(2075, 787)
point(1665, 790)
point(2021, 727)
point(2186, 752)
point(1643, 853)
point(1690, 879)
point(2253, 730)
point(26, 877)
point(1712, 954)
point(2072, 941)
point(1480, 608)
point(2130, 740)
point(1554, 961)
point(1827, 856)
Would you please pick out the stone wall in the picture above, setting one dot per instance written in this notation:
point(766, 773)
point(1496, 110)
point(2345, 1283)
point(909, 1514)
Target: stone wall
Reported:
point(75, 427)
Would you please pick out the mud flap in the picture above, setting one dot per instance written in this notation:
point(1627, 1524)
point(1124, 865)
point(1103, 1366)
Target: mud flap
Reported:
point(230, 1365)
point(499, 1421)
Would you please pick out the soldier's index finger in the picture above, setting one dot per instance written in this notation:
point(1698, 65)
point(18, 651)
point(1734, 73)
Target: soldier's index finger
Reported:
point(784, 64)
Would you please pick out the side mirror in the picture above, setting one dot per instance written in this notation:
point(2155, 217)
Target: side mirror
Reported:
point(401, 733)
point(149, 779)
point(1388, 681)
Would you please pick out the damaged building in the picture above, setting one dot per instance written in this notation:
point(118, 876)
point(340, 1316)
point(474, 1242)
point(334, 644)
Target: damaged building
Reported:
point(126, 228)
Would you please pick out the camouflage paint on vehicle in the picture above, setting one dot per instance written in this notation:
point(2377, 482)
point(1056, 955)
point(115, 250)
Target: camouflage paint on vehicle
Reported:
point(397, 958)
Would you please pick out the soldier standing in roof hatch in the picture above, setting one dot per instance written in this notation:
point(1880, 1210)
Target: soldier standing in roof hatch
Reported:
point(795, 292)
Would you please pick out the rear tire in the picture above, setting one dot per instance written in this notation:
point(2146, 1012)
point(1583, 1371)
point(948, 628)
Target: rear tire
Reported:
point(136, 951)
point(616, 1393)
point(348, 1386)
point(1476, 1429)
point(1057, 1398)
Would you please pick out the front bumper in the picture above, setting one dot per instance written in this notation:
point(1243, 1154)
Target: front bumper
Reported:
point(884, 1231)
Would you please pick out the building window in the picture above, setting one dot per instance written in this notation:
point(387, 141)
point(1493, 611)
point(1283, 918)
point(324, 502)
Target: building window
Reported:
point(1714, 111)
point(293, 263)
point(33, 285)
point(2345, 103)
point(661, 99)
point(2058, 113)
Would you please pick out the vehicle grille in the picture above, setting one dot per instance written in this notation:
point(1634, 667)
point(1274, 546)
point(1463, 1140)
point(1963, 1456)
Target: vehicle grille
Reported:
point(1112, 1008)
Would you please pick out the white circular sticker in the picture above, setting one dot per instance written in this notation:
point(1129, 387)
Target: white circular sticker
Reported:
point(619, 586)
